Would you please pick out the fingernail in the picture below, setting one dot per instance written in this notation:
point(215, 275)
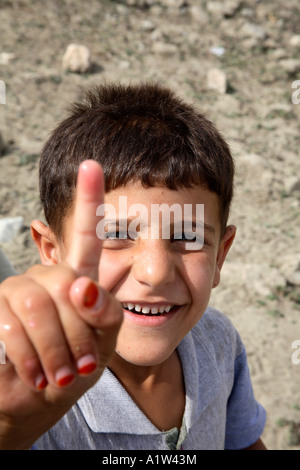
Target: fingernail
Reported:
point(64, 376)
point(41, 382)
point(86, 364)
point(92, 296)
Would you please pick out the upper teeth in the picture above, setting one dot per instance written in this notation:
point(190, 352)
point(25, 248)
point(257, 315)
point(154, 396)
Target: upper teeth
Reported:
point(149, 310)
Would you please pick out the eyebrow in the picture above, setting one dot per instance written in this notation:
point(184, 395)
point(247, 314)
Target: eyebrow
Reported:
point(209, 228)
point(117, 223)
point(126, 221)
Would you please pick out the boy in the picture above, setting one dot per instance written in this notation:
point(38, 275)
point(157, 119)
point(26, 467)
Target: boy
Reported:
point(175, 375)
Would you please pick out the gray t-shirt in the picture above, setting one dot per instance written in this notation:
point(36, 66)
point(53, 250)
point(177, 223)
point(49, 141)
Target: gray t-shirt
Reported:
point(220, 410)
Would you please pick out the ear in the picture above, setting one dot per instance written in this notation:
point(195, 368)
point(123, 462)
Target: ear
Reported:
point(223, 250)
point(46, 243)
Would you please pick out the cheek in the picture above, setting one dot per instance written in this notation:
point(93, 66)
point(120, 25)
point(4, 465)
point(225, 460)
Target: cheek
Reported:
point(199, 275)
point(111, 270)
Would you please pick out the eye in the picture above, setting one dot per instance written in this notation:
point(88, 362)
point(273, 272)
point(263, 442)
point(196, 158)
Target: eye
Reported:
point(191, 241)
point(118, 235)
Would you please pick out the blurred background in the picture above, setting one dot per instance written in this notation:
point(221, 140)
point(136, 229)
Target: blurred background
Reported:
point(238, 62)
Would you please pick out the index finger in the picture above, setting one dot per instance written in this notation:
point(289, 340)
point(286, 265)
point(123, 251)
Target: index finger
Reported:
point(85, 248)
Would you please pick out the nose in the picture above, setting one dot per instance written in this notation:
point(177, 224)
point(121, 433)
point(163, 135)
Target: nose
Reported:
point(154, 264)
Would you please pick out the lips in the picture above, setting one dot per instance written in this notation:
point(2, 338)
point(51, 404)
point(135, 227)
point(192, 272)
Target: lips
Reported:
point(149, 310)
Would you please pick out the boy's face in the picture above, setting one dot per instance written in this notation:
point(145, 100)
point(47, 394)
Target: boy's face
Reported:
point(150, 276)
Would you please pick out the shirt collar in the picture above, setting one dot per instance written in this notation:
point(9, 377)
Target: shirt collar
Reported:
point(108, 408)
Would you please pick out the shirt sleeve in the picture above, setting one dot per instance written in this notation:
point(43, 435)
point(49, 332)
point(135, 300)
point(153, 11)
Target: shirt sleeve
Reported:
point(246, 418)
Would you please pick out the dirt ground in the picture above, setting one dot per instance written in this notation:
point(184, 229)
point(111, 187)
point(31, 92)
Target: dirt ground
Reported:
point(256, 44)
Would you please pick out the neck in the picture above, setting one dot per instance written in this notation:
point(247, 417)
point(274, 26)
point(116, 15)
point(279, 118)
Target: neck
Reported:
point(143, 377)
point(158, 390)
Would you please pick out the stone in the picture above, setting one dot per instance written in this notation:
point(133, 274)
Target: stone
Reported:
point(215, 8)
point(9, 228)
point(230, 7)
point(148, 25)
point(77, 59)
point(226, 8)
point(164, 48)
point(290, 268)
point(219, 51)
point(6, 58)
point(291, 185)
point(198, 14)
point(253, 30)
point(291, 66)
point(217, 80)
point(295, 40)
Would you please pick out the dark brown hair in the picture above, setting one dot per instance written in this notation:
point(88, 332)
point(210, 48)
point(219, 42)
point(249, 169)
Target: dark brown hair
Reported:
point(136, 132)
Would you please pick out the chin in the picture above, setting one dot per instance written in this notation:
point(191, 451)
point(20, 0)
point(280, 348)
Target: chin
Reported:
point(143, 358)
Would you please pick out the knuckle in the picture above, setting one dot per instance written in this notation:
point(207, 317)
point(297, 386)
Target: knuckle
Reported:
point(62, 283)
point(81, 339)
point(28, 364)
point(31, 298)
point(11, 329)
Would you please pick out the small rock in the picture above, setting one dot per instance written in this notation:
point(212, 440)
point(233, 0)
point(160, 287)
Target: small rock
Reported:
point(219, 51)
point(254, 31)
point(230, 7)
point(294, 278)
point(164, 48)
point(198, 14)
point(124, 64)
point(172, 3)
point(9, 227)
point(291, 185)
point(215, 8)
point(247, 12)
point(290, 268)
point(291, 66)
point(148, 25)
point(217, 80)
point(279, 53)
point(226, 8)
point(6, 57)
point(76, 58)
point(295, 40)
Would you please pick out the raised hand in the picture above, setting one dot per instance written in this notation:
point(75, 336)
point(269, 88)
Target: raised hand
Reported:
point(58, 326)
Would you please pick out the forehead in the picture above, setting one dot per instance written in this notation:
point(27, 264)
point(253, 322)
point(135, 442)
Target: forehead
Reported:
point(135, 193)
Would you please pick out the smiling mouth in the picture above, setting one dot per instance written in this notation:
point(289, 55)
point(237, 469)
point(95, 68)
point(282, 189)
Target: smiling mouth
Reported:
point(155, 310)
